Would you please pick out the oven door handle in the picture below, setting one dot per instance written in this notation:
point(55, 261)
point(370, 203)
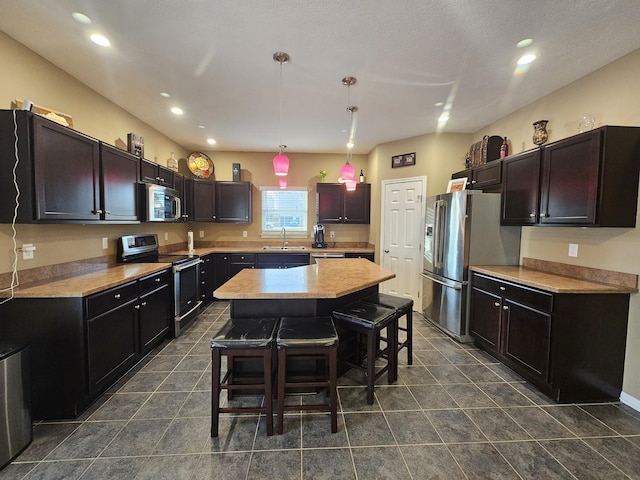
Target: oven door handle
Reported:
point(184, 266)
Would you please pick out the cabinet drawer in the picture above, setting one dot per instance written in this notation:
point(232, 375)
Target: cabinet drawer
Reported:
point(154, 281)
point(243, 257)
point(517, 293)
point(110, 299)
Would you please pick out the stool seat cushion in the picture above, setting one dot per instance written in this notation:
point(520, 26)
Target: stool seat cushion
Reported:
point(241, 333)
point(300, 332)
point(367, 315)
point(390, 301)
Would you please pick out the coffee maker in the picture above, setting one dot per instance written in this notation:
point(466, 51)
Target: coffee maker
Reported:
point(318, 237)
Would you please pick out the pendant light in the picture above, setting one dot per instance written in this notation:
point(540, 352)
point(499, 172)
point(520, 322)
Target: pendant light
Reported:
point(281, 161)
point(348, 171)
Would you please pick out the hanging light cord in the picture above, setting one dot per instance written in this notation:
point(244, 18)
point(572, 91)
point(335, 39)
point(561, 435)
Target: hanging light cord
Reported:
point(280, 95)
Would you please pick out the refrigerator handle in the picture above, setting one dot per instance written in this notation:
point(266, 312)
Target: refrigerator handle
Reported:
point(455, 287)
point(438, 236)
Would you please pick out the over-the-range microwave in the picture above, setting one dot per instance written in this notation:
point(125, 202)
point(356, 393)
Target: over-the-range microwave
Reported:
point(159, 203)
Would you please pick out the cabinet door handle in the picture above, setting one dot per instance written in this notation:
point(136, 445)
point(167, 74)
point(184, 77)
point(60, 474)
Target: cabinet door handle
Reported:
point(137, 307)
point(144, 304)
point(157, 280)
point(474, 181)
point(97, 211)
point(532, 215)
point(505, 308)
point(497, 304)
point(107, 212)
point(117, 296)
point(543, 214)
point(503, 288)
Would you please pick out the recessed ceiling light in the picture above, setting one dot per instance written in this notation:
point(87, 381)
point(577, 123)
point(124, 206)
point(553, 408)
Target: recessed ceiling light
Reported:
point(438, 104)
point(211, 141)
point(524, 43)
point(200, 126)
point(177, 110)
point(82, 18)
point(100, 40)
point(526, 59)
point(165, 95)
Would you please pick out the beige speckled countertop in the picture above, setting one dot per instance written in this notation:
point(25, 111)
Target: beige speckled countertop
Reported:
point(551, 282)
point(258, 249)
point(329, 278)
point(88, 283)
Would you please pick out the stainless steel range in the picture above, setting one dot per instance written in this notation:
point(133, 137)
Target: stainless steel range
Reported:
point(186, 274)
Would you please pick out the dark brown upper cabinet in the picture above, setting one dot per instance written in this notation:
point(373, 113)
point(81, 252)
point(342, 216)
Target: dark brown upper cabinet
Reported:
point(589, 180)
point(151, 172)
point(63, 176)
point(337, 205)
point(233, 202)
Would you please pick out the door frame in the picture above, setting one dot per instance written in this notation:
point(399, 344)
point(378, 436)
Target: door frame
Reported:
point(423, 180)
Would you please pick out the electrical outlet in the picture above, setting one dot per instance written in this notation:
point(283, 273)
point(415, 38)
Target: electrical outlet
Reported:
point(244, 234)
point(573, 249)
point(166, 235)
point(105, 243)
point(27, 251)
point(332, 234)
point(201, 233)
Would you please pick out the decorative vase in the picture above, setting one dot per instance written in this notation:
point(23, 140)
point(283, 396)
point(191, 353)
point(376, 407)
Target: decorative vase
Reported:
point(540, 134)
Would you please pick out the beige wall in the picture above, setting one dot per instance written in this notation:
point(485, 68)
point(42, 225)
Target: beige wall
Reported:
point(610, 95)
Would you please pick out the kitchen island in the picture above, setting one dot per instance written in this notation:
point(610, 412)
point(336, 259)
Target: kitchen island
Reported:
point(312, 290)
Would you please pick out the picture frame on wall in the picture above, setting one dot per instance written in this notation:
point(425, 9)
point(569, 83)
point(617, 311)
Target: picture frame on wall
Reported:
point(457, 184)
point(403, 160)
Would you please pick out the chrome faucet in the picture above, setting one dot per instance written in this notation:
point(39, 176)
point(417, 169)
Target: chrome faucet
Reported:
point(284, 237)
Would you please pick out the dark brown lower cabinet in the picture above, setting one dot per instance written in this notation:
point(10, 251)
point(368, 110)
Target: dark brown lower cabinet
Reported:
point(570, 345)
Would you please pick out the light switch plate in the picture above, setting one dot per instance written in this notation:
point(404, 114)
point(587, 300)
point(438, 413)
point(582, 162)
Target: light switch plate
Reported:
point(573, 249)
point(201, 233)
point(105, 243)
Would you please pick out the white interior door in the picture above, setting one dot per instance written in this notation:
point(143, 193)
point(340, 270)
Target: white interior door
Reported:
point(402, 224)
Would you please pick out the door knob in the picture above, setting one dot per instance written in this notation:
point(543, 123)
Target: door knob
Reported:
point(386, 251)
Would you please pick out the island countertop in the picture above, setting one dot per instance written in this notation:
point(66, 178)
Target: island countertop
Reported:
point(329, 278)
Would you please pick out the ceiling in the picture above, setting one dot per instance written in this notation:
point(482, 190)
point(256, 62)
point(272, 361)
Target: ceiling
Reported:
point(214, 57)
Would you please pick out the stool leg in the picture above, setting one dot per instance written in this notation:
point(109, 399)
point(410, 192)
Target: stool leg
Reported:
point(410, 337)
point(282, 377)
point(215, 391)
point(371, 365)
point(392, 346)
point(333, 390)
point(268, 392)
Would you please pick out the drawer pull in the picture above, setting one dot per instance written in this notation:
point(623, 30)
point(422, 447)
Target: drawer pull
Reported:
point(117, 296)
point(157, 280)
point(505, 308)
point(497, 304)
point(144, 304)
point(137, 307)
point(503, 288)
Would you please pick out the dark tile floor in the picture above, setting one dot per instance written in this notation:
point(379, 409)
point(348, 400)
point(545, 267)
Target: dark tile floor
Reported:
point(454, 414)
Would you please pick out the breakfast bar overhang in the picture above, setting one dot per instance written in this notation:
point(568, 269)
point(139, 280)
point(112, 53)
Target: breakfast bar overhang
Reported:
point(312, 290)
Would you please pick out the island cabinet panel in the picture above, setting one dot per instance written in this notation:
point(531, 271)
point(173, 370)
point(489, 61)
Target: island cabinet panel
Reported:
point(570, 345)
point(281, 260)
point(207, 277)
point(335, 204)
point(221, 269)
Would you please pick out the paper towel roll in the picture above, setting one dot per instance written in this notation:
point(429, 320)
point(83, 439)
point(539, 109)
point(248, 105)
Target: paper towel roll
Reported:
point(190, 241)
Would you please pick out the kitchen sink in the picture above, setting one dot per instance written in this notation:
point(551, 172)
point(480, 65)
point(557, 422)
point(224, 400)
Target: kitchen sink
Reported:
point(273, 247)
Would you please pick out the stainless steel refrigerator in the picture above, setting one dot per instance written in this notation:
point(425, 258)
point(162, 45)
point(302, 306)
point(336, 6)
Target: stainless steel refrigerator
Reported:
point(461, 229)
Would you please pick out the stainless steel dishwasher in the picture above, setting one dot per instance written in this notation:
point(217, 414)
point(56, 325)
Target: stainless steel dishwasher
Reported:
point(316, 255)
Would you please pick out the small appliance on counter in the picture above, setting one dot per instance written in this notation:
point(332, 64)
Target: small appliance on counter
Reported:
point(318, 237)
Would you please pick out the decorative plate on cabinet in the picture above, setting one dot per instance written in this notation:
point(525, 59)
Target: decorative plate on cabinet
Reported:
point(200, 165)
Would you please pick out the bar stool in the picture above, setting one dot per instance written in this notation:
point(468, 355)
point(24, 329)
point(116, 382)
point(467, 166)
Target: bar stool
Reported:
point(242, 339)
point(403, 307)
point(368, 320)
point(308, 338)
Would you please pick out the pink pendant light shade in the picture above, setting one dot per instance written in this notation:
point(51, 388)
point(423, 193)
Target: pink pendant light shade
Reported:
point(348, 172)
point(281, 164)
point(282, 183)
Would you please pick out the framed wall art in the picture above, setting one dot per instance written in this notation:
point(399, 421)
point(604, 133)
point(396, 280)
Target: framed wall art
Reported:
point(457, 184)
point(403, 160)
